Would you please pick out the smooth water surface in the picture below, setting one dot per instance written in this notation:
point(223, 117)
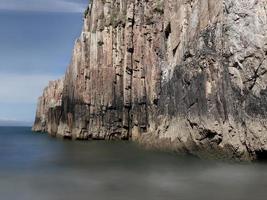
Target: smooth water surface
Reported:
point(38, 167)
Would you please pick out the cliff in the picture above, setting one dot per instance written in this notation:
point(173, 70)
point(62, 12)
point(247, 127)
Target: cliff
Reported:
point(49, 107)
point(182, 75)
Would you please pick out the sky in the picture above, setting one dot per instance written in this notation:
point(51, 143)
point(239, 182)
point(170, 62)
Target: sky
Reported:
point(36, 42)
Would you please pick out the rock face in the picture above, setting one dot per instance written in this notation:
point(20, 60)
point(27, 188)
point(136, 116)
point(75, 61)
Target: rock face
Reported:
point(182, 75)
point(49, 108)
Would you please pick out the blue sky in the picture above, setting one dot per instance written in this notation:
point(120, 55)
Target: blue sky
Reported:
point(36, 42)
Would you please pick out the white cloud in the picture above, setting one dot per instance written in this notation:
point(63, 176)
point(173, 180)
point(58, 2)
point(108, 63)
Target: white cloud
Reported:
point(13, 122)
point(43, 5)
point(22, 88)
point(5, 119)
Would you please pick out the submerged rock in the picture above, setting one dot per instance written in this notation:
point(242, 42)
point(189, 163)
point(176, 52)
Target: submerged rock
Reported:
point(188, 76)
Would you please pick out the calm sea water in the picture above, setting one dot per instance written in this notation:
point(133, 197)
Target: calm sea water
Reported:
point(38, 167)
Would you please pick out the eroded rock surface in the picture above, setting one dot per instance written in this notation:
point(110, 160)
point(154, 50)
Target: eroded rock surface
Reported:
point(182, 75)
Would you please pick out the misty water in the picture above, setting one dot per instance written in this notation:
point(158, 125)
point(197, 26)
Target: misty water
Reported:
point(38, 167)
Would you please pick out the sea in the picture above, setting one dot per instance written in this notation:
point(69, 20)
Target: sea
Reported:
point(35, 166)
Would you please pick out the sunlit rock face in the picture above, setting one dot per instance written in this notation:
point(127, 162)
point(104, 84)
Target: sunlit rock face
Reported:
point(182, 75)
point(49, 108)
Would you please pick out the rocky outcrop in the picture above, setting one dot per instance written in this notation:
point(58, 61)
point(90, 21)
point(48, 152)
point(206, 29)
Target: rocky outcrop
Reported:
point(186, 75)
point(49, 108)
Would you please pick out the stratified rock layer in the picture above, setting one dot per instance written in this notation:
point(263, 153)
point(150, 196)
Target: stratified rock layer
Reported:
point(182, 75)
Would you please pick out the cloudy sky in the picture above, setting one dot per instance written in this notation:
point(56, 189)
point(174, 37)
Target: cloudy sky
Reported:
point(36, 41)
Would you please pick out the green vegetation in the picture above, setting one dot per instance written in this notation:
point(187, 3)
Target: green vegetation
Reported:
point(100, 43)
point(86, 11)
point(159, 7)
point(118, 17)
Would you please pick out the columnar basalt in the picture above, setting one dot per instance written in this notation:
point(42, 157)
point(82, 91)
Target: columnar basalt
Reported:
point(189, 76)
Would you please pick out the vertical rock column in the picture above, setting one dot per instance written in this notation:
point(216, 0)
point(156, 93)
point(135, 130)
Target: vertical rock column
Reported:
point(128, 68)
